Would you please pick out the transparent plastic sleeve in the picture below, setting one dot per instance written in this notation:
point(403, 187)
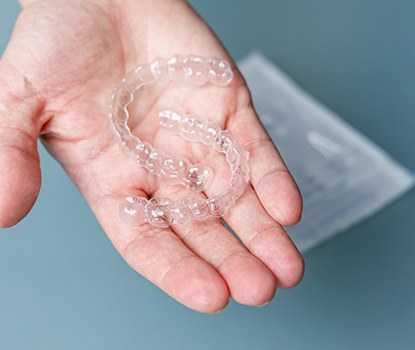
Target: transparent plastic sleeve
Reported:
point(343, 176)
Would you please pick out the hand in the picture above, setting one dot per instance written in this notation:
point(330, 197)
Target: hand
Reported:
point(56, 80)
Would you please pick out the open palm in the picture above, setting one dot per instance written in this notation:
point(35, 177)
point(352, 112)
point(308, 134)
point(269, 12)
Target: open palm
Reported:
point(57, 76)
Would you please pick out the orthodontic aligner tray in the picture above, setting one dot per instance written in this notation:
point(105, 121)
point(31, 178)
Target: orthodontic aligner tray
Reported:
point(163, 212)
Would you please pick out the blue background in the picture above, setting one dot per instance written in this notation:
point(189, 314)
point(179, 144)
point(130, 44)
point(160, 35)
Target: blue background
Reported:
point(63, 286)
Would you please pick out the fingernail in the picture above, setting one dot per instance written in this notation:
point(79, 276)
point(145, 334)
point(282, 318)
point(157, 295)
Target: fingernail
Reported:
point(216, 312)
point(266, 303)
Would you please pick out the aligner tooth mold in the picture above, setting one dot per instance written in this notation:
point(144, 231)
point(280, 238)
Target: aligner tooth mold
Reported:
point(163, 212)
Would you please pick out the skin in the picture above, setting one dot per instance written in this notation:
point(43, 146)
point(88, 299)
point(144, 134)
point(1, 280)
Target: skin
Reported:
point(56, 80)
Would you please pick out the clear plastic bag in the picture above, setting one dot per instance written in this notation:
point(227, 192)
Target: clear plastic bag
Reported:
point(343, 176)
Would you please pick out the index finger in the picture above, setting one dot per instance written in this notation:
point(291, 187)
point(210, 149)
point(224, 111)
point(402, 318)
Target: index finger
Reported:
point(269, 175)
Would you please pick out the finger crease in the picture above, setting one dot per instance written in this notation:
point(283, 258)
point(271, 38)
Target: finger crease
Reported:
point(256, 143)
point(219, 266)
point(258, 233)
point(195, 232)
point(140, 237)
point(172, 266)
point(268, 174)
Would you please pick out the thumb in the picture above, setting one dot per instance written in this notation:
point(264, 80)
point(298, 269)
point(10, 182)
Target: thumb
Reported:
point(20, 125)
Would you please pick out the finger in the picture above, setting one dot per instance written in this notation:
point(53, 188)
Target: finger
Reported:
point(269, 176)
point(259, 232)
point(249, 281)
point(20, 124)
point(266, 239)
point(161, 257)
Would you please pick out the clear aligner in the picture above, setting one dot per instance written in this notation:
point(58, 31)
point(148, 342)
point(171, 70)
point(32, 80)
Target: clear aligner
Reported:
point(163, 212)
